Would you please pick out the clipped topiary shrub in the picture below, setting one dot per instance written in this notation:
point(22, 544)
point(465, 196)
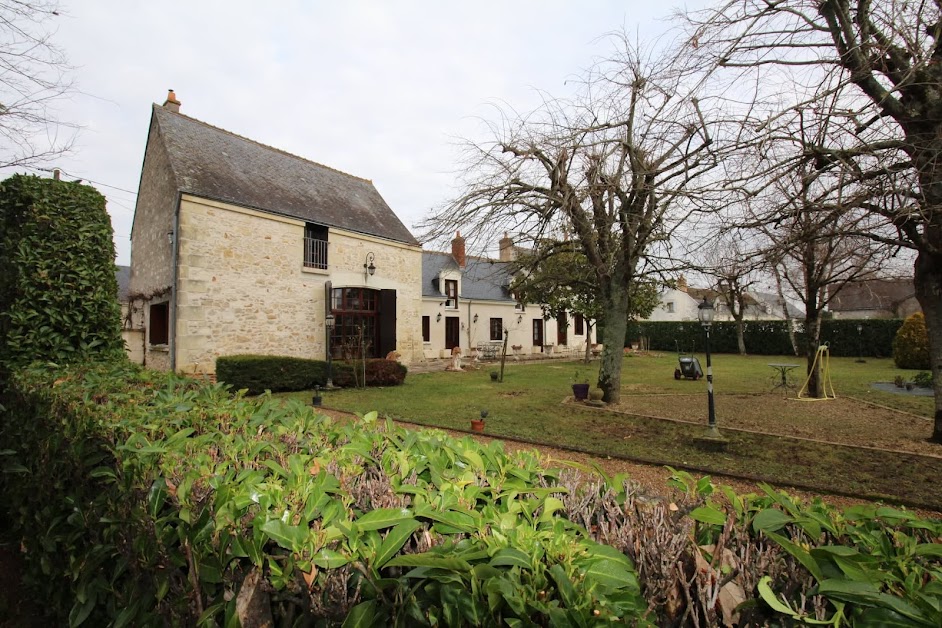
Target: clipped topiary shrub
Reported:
point(911, 345)
point(277, 373)
point(379, 372)
point(58, 293)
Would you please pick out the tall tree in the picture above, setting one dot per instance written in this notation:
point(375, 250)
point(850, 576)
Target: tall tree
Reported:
point(612, 170)
point(33, 75)
point(889, 53)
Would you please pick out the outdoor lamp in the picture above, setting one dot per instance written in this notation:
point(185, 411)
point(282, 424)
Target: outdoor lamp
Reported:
point(438, 318)
point(713, 438)
point(705, 313)
point(475, 319)
point(369, 268)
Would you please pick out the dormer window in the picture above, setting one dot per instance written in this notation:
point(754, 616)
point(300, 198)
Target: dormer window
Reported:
point(451, 294)
point(315, 246)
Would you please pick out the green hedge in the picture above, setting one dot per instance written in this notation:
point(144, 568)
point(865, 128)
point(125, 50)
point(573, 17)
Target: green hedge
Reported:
point(142, 498)
point(769, 337)
point(258, 373)
point(58, 292)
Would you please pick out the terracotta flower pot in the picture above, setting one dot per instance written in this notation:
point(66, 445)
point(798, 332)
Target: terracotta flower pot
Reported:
point(477, 425)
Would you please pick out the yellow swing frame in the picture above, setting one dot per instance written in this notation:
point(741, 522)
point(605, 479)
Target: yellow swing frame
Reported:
point(822, 356)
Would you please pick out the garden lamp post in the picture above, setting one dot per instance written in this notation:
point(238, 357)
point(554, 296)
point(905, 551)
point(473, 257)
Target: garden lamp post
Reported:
point(329, 326)
point(705, 313)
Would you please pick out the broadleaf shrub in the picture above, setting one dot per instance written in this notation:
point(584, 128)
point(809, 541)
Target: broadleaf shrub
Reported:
point(58, 292)
point(911, 345)
point(379, 372)
point(143, 498)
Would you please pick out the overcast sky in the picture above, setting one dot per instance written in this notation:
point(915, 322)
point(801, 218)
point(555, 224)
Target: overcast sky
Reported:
point(377, 89)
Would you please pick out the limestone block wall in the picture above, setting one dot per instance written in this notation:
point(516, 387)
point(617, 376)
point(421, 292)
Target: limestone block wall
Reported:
point(151, 247)
point(242, 286)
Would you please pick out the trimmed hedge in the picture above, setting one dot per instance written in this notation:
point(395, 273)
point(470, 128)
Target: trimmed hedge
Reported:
point(58, 292)
point(770, 337)
point(258, 373)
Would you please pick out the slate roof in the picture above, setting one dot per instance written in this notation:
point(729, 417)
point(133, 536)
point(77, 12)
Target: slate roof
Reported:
point(216, 164)
point(875, 294)
point(482, 279)
point(123, 275)
point(754, 301)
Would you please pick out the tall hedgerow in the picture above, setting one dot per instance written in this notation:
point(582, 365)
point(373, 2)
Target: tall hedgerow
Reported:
point(911, 345)
point(58, 293)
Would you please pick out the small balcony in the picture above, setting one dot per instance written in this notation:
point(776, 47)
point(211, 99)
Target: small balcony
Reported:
point(315, 253)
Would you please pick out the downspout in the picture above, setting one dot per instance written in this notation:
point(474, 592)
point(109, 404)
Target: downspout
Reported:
point(469, 327)
point(173, 286)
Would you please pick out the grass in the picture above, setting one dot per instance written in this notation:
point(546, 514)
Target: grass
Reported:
point(529, 406)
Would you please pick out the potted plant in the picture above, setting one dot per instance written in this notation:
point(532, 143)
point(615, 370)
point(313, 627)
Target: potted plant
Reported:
point(580, 386)
point(899, 381)
point(477, 425)
point(494, 376)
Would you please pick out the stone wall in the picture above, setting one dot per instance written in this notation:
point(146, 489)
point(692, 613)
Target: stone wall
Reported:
point(242, 286)
point(151, 248)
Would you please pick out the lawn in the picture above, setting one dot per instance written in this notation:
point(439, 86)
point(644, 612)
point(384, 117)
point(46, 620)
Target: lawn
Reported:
point(533, 404)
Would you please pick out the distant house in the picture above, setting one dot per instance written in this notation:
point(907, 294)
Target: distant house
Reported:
point(238, 247)
point(681, 304)
point(466, 303)
point(875, 298)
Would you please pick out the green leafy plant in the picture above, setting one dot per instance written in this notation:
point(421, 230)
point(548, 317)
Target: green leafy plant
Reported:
point(923, 379)
point(911, 345)
point(58, 292)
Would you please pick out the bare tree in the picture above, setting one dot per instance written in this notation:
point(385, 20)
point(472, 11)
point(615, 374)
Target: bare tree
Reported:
point(735, 266)
point(798, 52)
point(613, 170)
point(33, 75)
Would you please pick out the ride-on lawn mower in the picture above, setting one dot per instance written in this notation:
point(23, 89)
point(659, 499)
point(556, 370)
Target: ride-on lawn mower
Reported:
point(689, 365)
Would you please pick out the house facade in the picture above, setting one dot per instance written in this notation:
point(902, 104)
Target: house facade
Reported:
point(681, 304)
point(466, 303)
point(239, 248)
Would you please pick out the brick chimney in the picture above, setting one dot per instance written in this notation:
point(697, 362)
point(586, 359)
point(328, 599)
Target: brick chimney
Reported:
point(457, 250)
point(507, 252)
point(682, 283)
point(172, 104)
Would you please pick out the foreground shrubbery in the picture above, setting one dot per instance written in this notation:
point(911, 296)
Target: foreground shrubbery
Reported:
point(911, 344)
point(258, 373)
point(146, 499)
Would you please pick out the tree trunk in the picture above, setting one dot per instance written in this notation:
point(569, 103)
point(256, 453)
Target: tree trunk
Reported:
point(615, 325)
point(812, 342)
point(740, 336)
point(928, 282)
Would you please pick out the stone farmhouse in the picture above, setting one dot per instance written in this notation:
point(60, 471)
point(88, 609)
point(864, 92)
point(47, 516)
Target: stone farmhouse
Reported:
point(467, 303)
point(238, 247)
point(241, 248)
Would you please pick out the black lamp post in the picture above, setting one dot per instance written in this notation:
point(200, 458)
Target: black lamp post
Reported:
point(329, 326)
point(860, 343)
point(705, 313)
